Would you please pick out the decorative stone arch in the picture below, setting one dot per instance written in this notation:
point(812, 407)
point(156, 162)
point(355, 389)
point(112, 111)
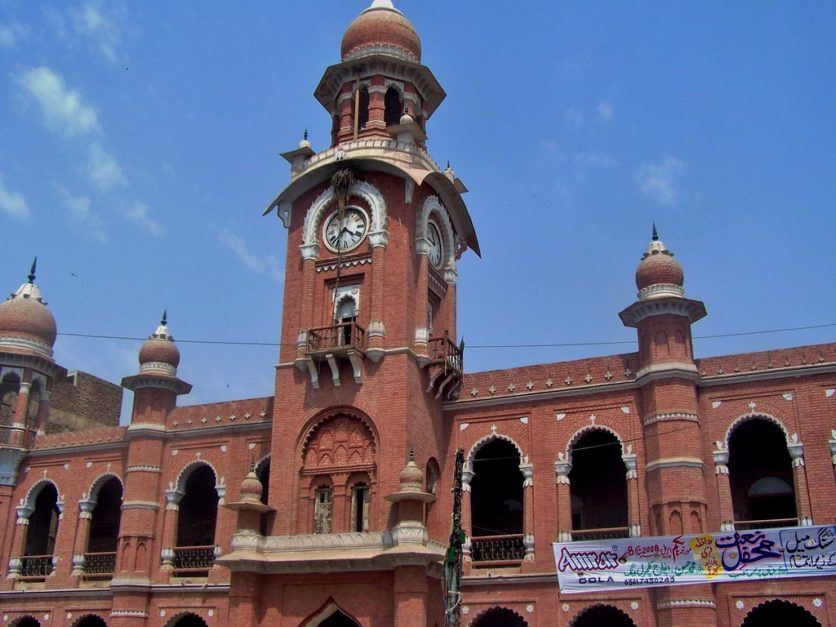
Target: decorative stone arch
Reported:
point(362, 189)
point(262, 462)
point(24, 621)
point(432, 207)
point(172, 622)
point(610, 611)
point(326, 611)
point(80, 620)
point(317, 421)
point(176, 489)
point(98, 482)
point(780, 611)
point(481, 442)
point(27, 504)
point(503, 612)
point(590, 428)
point(757, 416)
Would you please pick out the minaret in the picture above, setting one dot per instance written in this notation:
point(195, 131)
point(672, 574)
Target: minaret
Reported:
point(27, 370)
point(156, 388)
point(668, 377)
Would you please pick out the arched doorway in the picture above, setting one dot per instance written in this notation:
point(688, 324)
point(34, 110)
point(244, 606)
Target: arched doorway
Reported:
point(187, 620)
point(778, 613)
point(603, 616)
point(91, 620)
point(499, 617)
point(338, 619)
point(26, 621)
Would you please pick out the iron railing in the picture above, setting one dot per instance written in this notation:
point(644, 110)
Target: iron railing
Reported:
point(344, 335)
point(35, 566)
point(505, 548)
point(193, 559)
point(99, 563)
point(768, 523)
point(600, 533)
point(444, 352)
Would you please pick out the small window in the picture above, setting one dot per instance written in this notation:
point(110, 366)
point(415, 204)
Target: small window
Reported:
point(392, 104)
point(363, 118)
point(323, 507)
point(360, 507)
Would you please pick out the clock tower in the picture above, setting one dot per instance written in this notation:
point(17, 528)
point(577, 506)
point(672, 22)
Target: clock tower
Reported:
point(368, 343)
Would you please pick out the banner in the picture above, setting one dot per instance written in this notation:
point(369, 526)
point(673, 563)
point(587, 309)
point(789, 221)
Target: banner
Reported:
point(702, 558)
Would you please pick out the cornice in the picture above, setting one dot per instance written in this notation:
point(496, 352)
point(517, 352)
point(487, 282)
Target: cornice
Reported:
point(540, 395)
point(141, 381)
point(640, 310)
point(753, 376)
point(78, 448)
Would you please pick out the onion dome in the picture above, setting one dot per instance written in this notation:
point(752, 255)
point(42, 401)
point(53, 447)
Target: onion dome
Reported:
point(381, 29)
point(26, 325)
point(659, 274)
point(251, 488)
point(411, 477)
point(159, 355)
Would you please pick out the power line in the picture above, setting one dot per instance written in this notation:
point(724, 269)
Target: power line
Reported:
point(470, 346)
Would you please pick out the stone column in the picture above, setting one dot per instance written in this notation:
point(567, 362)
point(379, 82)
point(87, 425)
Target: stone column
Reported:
point(310, 253)
point(85, 515)
point(632, 477)
point(724, 495)
point(340, 504)
point(802, 493)
point(467, 514)
point(169, 536)
point(422, 332)
point(562, 468)
point(377, 330)
point(527, 469)
point(19, 540)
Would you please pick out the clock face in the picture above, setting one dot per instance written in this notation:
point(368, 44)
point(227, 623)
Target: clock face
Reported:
point(345, 234)
point(436, 252)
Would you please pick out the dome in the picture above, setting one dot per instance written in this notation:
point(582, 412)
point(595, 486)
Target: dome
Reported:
point(159, 354)
point(659, 274)
point(381, 29)
point(25, 322)
point(251, 488)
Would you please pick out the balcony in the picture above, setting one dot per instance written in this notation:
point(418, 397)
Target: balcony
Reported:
point(99, 565)
point(193, 561)
point(345, 340)
point(446, 366)
point(35, 567)
point(498, 550)
point(600, 533)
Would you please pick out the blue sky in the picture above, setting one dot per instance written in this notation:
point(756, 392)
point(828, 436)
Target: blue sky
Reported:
point(139, 145)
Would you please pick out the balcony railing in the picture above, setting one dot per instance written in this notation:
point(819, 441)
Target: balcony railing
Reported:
point(600, 533)
point(99, 564)
point(193, 560)
point(769, 523)
point(332, 339)
point(506, 548)
point(444, 352)
point(35, 566)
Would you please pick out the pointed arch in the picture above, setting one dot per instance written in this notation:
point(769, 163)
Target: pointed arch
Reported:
point(779, 612)
point(186, 619)
point(98, 482)
point(477, 446)
point(743, 418)
point(35, 490)
point(577, 435)
point(188, 469)
point(498, 616)
point(602, 614)
point(314, 423)
point(326, 615)
point(432, 206)
point(90, 620)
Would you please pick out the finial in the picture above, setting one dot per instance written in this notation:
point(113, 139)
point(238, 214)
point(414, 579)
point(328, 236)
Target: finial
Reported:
point(164, 319)
point(448, 164)
point(411, 454)
point(305, 135)
point(32, 270)
point(252, 464)
point(655, 237)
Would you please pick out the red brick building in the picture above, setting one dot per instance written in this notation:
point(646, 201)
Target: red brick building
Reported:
point(329, 503)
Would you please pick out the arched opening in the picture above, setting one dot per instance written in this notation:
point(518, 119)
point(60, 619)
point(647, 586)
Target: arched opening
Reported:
point(9, 389)
point(777, 613)
point(360, 495)
point(26, 621)
point(760, 476)
point(188, 620)
point(598, 486)
point(500, 617)
point(338, 619)
point(603, 616)
point(345, 314)
point(100, 557)
point(36, 563)
point(497, 503)
point(392, 107)
point(91, 620)
point(363, 114)
point(33, 406)
point(198, 512)
point(263, 472)
point(323, 509)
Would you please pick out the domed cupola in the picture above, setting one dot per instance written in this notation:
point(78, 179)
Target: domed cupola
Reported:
point(159, 354)
point(381, 29)
point(659, 275)
point(26, 325)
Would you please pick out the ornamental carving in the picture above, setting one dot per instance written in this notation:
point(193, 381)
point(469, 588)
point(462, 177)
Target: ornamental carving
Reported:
point(341, 441)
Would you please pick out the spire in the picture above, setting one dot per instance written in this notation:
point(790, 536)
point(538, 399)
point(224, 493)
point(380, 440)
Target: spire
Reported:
point(305, 135)
point(655, 237)
point(164, 319)
point(32, 270)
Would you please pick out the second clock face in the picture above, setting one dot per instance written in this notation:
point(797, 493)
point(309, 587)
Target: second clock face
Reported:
point(346, 233)
point(436, 252)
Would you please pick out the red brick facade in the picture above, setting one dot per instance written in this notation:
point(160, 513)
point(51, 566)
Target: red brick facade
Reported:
point(329, 502)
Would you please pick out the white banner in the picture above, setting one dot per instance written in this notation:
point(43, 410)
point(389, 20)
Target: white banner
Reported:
point(702, 558)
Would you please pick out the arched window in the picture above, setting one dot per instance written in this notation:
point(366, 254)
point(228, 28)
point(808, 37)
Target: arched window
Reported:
point(598, 615)
point(9, 388)
point(760, 476)
point(500, 617)
point(198, 513)
point(392, 107)
point(363, 118)
point(598, 484)
point(780, 612)
point(100, 557)
point(41, 534)
point(497, 503)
